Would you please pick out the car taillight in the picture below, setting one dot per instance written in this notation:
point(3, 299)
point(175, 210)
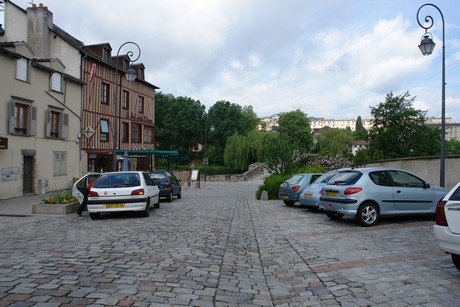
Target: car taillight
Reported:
point(440, 214)
point(352, 190)
point(138, 192)
point(295, 188)
point(167, 185)
point(92, 194)
point(321, 192)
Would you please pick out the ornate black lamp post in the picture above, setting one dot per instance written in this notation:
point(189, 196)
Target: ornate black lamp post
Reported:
point(130, 75)
point(426, 47)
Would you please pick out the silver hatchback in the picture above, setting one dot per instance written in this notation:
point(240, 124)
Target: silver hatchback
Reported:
point(123, 191)
point(369, 193)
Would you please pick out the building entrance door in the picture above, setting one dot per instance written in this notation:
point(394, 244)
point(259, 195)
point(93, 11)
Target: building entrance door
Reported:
point(28, 175)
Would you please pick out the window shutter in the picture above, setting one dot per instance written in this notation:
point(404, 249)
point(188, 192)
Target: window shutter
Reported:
point(47, 123)
point(32, 121)
point(11, 118)
point(65, 126)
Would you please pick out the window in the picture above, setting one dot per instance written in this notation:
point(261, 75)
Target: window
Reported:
point(22, 69)
point(148, 134)
point(125, 100)
point(104, 130)
point(141, 104)
point(56, 82)
point(22, 119)
point(60, 163)
point(56, 124)
point(124, 132)
point(105, 55)
point(105, 93)
point(403, 179)
point(136, 130)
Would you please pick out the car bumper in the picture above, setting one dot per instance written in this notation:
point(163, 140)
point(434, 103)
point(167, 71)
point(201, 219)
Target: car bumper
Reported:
point(448, 241)
point(312, 202)
point(138, 204)
point(285, 196)
point(349, 207)
point(165, 192)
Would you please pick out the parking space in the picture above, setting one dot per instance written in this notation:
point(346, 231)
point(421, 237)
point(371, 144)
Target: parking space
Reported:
point(218, 246)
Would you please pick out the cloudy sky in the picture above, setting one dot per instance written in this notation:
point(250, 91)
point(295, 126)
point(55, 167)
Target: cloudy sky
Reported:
point(329, 58)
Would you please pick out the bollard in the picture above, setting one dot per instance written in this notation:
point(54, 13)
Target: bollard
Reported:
point(264, 195)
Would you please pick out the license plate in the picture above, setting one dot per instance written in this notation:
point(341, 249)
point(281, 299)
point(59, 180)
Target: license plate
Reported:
point(307, 195)
point(284, 197)
point(112, 206)
point(332, 193)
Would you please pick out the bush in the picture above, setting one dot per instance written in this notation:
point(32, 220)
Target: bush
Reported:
point(60, 197)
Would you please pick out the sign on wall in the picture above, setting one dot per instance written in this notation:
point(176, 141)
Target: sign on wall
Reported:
point(10, 174)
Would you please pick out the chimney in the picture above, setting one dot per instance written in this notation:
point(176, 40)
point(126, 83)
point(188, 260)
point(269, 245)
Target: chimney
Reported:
point(39, 24)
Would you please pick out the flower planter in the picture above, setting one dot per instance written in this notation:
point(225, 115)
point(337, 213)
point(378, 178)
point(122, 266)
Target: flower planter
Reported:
point(55, 208)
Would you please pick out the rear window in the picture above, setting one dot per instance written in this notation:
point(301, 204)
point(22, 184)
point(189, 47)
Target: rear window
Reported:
point(324, 178)
point(345, 178)
point(158, 176)
point(294, 179)
point(455, 195)
point(118, 180)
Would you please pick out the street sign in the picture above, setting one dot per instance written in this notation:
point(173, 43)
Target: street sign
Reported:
point(88, 132)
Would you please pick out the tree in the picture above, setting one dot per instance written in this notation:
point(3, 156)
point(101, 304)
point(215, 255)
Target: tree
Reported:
point(335, 142)
point(452, 147)
point(227, 119)
point(399, 130)
point(294, 127)
point(250, 119)
point(179, 122)
point(237, 152)
point(360, 132)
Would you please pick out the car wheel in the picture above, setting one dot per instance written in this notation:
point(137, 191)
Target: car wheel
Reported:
point(146, 212)
point(179, 196)
point(157, 204)
point(170, 197)
point(289, 202)
point(456, 260)
point(368, 214)
point(94, 216)
point(334, 215)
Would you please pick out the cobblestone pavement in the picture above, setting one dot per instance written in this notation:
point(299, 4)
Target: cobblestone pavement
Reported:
point(218, 246)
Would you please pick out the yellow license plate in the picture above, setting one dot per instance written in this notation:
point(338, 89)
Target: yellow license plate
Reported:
point(332, 193)
point(112, 206)
point(284, 197)
point(307, 195)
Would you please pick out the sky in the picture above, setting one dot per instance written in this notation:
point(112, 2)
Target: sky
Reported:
point(331, 59)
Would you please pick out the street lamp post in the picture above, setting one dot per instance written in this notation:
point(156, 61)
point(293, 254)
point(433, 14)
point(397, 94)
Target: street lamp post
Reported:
point(205, 160)
point(426, 47)
point(130, 75)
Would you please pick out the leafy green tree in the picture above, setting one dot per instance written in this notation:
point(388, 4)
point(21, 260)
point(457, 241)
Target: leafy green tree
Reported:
point(179, 122)
point(399, 130)
point(236, 153)
point(335, 142)
point(250, 119)
point(360, 132)
point(294, 127)
point(227, 119)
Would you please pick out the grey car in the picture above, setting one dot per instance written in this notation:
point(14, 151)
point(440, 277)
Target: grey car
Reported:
point(290, 189)
point(369, 193)
point(309, 197)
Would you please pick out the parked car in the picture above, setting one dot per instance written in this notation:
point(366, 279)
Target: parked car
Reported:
point(309, 197)
point(369, 193)
point(123, 191)
point(290, 189)
point(447, 227)
point(78, 188)
point(168, 184)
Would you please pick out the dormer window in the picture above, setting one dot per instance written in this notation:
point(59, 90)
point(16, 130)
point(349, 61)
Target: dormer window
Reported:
point(22, 69)
point(56, 82)
point(106, 55)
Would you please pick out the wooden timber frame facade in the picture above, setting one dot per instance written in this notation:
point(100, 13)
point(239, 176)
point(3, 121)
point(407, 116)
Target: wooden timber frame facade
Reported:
point(135, 110)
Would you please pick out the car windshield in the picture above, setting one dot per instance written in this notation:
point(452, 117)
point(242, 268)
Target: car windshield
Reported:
point(158, 176)
point(345, 178)
point(118, 180)
point(455, 195)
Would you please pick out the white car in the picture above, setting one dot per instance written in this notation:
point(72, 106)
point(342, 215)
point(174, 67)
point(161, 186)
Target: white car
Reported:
point(123, 191)
point(79, 187)
point(447, 227)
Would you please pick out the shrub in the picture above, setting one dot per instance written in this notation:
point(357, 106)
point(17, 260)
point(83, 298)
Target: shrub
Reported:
point(60, 197)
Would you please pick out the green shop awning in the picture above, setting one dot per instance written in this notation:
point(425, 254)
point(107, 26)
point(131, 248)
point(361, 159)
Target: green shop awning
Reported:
point(145, 152)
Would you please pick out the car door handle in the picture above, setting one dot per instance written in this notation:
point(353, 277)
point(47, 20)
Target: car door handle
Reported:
point(399, 191)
